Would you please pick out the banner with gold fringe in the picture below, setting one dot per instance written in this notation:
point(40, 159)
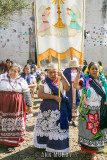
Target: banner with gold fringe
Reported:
point(59, 31)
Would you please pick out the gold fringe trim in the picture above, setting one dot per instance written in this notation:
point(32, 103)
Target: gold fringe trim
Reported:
point(50, 52)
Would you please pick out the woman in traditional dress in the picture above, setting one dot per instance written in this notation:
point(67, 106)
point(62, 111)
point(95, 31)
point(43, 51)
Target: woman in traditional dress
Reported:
point(7, 66)
point(13, 91)
point(91, 136)
point(37, 76)
point(31, 81)
point(73, 94)
point(51, 130)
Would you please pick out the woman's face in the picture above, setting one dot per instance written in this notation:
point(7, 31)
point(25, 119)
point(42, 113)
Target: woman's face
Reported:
point(27, 70)
point(94, 71)
point(73, 68)
point(8, 64)
point(13, 72)
point(52, 74)
point(35, 68)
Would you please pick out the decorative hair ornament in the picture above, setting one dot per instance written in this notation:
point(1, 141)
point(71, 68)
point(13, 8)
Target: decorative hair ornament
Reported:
point(86, 70)
point(86, 90)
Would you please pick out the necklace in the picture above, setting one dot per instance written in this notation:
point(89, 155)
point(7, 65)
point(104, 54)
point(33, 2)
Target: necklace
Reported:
point(14, 83)
point(55, 83)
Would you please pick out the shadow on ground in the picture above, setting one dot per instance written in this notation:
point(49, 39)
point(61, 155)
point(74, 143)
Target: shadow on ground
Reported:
point(30, 128)
point(32, 153)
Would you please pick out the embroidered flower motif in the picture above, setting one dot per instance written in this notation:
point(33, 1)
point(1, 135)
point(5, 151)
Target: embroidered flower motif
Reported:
point(93, 125)
point(43, 81)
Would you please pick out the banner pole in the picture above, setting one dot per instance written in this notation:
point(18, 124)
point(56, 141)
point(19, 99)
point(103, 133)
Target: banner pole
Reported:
point(83, 24)
point(36, 37)
point(59, 79)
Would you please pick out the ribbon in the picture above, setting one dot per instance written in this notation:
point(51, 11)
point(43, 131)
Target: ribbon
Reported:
point(85, 100)
point(87, 83)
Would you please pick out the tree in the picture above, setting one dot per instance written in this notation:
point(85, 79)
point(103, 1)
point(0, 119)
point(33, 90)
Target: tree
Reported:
point(7, 9)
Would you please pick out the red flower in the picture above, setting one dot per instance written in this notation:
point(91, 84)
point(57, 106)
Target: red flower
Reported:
point(93, 125)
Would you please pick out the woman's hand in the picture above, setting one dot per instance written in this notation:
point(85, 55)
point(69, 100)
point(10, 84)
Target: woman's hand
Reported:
point(105, 102)
point(29, 109)
point(58, 99)
point(60, 73)
point(79, 69)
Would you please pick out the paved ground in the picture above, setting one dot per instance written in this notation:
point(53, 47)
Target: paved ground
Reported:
point(27, 151)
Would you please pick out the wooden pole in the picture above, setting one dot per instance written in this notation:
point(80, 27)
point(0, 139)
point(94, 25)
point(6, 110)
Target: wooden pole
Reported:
point(82, 43)
point(38, 62)
point(59, 78)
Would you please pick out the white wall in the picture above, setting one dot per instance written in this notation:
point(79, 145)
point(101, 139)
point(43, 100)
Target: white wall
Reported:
point(14, 41)
point(96, 42)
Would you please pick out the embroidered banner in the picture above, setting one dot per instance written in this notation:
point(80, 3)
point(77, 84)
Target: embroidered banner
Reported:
point(59, 30)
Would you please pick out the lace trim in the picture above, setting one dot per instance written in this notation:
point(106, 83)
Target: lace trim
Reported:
point(9, 135)
point(11, 114)
point(91, 143)
point(92, 107)
point(10, 125)
point(36, 144)
point(105, 135)
point(46, 126)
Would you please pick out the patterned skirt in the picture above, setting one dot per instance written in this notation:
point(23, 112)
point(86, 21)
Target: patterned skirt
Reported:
point(12, 118)
point(91, 137)
point(47, 132)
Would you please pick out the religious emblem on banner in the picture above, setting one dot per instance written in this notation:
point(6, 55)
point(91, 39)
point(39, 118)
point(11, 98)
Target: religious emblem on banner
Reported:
point(59, 30)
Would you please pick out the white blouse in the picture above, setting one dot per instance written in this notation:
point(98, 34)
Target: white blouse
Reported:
point(73, 75)
point(48, 90)
point(32, 80)
point(95, 99)
point(16, 85)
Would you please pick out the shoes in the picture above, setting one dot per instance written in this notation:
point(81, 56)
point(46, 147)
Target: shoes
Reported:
point(74, 124)
point(10, 149)
point(29, 115)
point(94, 158)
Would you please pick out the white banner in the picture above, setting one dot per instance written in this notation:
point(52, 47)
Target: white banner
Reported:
point(59, 30)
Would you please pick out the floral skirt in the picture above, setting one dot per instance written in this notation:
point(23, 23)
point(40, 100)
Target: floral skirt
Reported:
point(91, 137)
point(12, 118)
point(47, 132)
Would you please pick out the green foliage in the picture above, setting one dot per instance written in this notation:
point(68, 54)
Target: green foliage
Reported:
point(7, 9)
point(87, 111)
point(83, 117)
point(98, 135)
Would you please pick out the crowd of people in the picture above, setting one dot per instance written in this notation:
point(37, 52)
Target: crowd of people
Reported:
point(82, 97)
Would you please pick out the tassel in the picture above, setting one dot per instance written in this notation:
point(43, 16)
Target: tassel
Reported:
point(80, 110)
point(89, 93)
point(82, 96)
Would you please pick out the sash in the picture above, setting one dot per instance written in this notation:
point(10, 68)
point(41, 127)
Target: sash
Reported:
point(65, 109)
point(28, 78)
point(103, 109)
